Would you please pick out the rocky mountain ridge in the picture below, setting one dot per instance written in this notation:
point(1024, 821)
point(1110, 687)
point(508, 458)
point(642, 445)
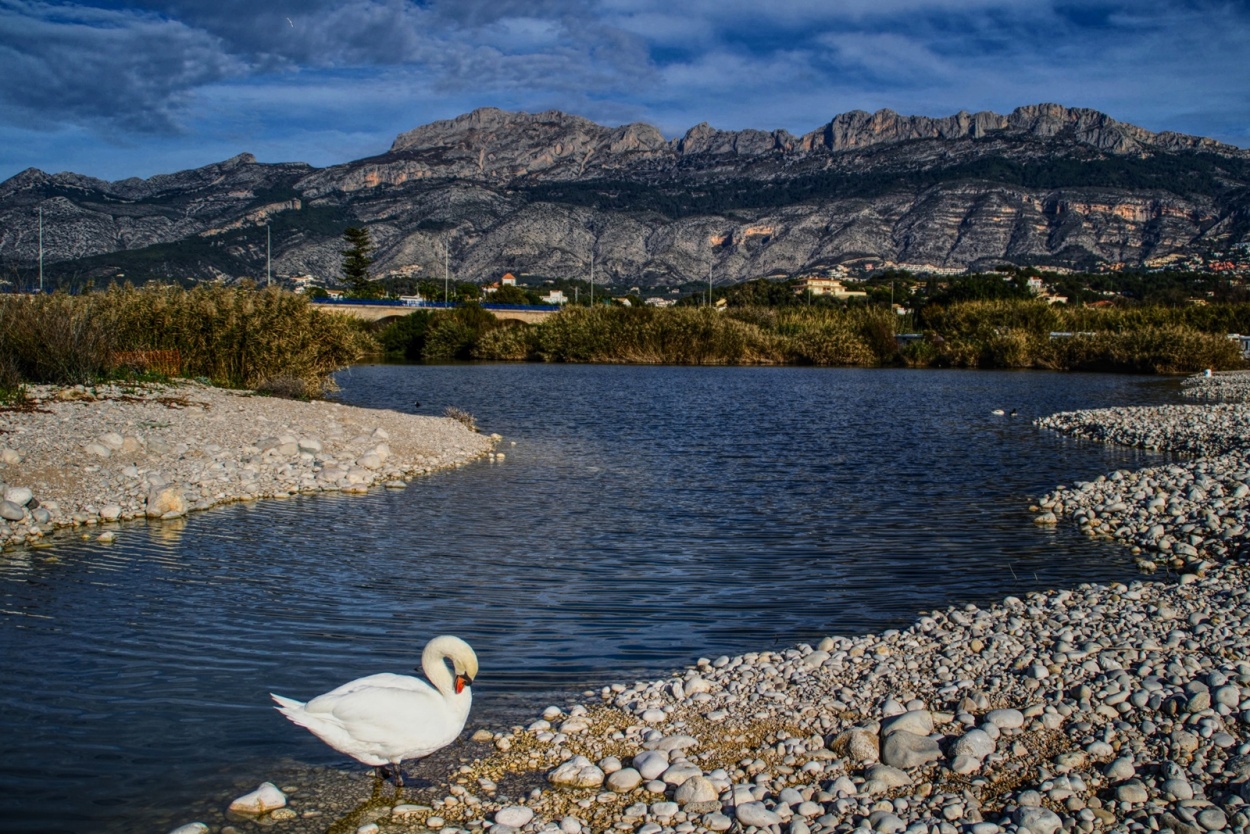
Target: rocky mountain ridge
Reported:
point(538, 193)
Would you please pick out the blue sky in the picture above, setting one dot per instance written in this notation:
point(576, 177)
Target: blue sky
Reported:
point(121, 89)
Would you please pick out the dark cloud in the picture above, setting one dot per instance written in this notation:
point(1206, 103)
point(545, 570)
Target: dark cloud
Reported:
point(272, 72)
point(119, 70)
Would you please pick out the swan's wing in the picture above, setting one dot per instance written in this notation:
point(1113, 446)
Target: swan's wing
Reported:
point(380, 712)
point(327, 702)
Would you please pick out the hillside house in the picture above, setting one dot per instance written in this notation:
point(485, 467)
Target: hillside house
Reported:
point(824, 285)
point(508, 280)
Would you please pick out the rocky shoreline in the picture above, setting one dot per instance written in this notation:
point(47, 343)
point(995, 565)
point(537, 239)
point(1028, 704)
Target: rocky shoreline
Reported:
point(1123, 707)
point(80, 459)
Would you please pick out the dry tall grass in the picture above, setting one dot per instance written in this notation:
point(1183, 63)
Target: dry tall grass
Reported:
point(235, 337)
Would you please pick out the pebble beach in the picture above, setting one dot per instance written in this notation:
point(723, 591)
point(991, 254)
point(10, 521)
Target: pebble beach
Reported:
point(77, 460)
point(1122, 707)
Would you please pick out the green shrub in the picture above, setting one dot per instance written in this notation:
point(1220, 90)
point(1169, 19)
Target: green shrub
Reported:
point(406, 335)
point(448, 339)
point(515, 343)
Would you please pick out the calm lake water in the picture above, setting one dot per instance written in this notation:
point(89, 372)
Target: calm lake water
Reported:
point(645, 517)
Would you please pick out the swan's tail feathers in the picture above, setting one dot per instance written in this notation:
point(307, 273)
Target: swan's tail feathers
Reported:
point(289, 707)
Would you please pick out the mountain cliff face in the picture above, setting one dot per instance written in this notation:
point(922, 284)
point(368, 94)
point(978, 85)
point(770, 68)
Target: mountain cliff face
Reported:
point(538, 193)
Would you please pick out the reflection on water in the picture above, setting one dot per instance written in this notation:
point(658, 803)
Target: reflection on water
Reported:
point(644, 518)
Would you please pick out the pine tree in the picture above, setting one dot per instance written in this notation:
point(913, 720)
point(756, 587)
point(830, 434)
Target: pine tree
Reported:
point(356, 262)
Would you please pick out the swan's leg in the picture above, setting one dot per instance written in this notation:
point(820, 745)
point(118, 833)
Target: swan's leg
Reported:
point(399, 776)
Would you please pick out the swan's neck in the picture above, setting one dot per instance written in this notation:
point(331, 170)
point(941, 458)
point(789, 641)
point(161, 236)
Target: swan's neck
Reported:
point(438, 673)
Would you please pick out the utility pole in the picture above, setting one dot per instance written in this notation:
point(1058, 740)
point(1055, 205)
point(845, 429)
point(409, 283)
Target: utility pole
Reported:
point(709, 284)
point(592, 277)
point(268, 259)
point(41, 250)
point(446, 274)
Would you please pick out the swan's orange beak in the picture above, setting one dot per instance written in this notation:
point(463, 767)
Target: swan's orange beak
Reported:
point(461, 682)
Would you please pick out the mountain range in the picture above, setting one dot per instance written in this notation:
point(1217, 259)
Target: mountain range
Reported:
point(542, 194)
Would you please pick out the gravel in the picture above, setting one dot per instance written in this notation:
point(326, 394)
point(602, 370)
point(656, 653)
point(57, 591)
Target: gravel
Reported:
point(76, 458)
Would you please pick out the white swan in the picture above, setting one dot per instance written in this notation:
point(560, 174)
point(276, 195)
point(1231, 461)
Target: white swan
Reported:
point(383, 719)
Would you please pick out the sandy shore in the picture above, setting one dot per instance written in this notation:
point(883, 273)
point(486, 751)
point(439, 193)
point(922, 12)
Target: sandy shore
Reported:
point(1103, 708)
point(80, 458)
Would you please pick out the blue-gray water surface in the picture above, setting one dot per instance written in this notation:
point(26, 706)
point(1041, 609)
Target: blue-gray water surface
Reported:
point(646, 516)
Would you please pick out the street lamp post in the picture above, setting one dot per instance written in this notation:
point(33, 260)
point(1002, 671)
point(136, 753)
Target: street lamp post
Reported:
point(268, 258)
point(41, 250)
point(446, 274)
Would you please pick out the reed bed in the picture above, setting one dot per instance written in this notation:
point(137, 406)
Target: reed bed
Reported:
point(234, 337)
point(979, 334)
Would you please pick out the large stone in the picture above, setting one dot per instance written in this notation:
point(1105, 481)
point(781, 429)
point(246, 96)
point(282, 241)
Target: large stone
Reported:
point(1120, 769)
point(624, 780)
point(576, 724)
point(265, 798)
point(975, 743)
point(678, 773)
point(577, 772)
point(97, 449)
point(756, 814)
point(514, 816)
point(857, 744)
point(1005, 719)
point(697, 789)
point(11, 512)
point(906, 750)
point(882, 778)
point(651, 763)
point(670, 743)
point(885, 822)
point(845, 786)
point(18, 495)
point(166, 501)
point(1038, 820)
point(918, 721)
point(1133, 791)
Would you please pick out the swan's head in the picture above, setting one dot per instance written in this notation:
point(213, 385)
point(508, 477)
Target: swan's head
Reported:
point(463, 659)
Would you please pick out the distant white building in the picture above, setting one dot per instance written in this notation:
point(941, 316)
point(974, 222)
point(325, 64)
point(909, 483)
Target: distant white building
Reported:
point(508, 280)
point(659, 302)
point(825, 285)
point(554, 297)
